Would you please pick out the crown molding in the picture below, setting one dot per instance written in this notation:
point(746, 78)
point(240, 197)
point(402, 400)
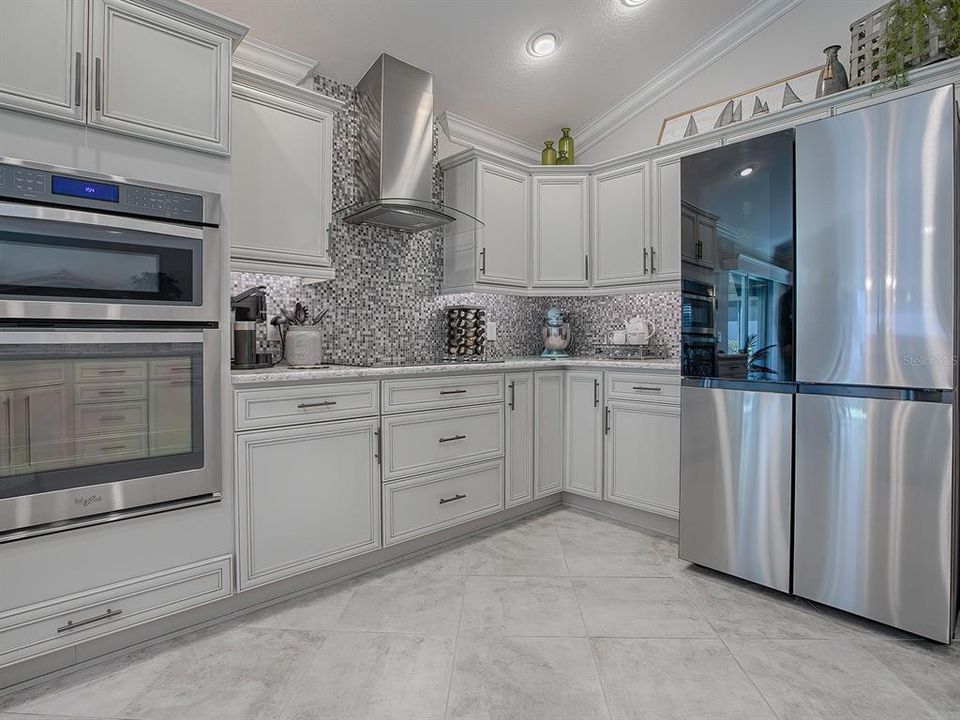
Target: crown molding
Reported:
point(269, 91)
point(728, 36)
point(260, 58)
point(481, 137)
point(197, 15)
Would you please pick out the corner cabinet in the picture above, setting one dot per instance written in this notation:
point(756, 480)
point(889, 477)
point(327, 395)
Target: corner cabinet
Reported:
point(584, 433)
point(519, 435)
point(282, 164)
point(495, 253)
point(548, 458)
point(153, 69)
point(620, 216)
point(306, 497)
point(560, 240)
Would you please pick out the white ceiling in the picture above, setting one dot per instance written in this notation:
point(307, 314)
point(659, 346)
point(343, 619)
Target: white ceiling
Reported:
point(476, 49)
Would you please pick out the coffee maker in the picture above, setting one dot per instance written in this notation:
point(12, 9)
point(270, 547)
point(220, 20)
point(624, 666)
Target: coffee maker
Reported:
point(249, 309)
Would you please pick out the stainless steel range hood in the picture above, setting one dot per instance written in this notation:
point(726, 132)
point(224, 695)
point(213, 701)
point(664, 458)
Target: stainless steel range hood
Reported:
point(395, 150)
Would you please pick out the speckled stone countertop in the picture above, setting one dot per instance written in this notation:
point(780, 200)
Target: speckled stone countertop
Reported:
point(283, 374)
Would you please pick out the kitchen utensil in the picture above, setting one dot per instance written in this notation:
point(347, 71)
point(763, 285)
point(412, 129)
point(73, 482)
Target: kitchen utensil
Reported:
point(303, 347)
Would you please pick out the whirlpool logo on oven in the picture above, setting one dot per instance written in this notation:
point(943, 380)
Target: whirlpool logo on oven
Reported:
point(88, 500)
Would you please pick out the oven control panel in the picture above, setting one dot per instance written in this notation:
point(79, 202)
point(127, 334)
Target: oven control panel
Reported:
point(73, 190)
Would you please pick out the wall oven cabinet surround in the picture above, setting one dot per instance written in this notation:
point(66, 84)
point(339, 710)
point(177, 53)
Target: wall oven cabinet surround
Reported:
point(155, 70)
point(88, 246)
point(98, 422)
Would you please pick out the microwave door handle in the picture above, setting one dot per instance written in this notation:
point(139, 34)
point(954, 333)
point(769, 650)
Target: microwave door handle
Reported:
point(101, 337)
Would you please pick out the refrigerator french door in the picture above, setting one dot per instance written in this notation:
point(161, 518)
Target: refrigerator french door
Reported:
point(875, 477)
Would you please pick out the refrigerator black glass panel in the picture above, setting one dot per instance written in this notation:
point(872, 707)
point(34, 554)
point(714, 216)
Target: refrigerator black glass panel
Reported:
point(737, 250)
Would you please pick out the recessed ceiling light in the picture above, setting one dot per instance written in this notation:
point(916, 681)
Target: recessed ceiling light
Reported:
point(746, 171)
point(543, 43)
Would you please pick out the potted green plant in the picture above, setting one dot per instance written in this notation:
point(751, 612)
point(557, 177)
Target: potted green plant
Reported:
point(906, 38)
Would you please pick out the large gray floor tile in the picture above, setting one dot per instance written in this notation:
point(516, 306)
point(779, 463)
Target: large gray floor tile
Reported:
point(612, 554)
point(316, 611)
point(739, 609)
point(524, 679)
point(374, 676)
point(932, 671)
point(516, 551)
point(673, 679)
point(403, 601)
point(539, 606)
point(639, 607)
point(827, 680)
point(232, 672)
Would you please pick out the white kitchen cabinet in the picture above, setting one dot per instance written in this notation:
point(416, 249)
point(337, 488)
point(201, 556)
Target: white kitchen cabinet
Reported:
point(620, 219)
point(306, 497)
point(170, 416)
point(560, 241)
point(642, 467)
point(42, 428)
point(495, 253)
point(281, 159)
point(158, 76)
point(548, 433)
point(583, 443)
point(42, 57)
point(698, 236)
point(519, 438)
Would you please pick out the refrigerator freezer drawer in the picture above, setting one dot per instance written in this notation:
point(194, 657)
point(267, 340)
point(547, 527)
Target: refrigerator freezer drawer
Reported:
point(736, 464)
point(874, 506)
point(875, 245)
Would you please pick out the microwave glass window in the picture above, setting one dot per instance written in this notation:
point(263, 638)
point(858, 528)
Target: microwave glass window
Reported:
point(78, 415)
point(60, 261)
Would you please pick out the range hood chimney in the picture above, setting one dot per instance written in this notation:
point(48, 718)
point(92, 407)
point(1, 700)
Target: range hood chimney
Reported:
point(396, 149)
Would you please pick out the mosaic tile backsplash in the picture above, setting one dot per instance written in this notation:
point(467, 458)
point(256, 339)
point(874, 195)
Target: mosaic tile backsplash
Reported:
point(385, 303)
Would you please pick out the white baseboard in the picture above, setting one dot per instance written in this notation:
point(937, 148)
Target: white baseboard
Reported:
point(622, 513)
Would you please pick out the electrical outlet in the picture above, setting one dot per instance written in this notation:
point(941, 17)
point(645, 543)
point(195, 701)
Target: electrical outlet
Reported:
point(491, 330)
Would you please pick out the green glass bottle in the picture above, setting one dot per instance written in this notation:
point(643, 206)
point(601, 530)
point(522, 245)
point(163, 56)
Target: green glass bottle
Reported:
point(548, 156)
point(562, 158)
point(565, 143)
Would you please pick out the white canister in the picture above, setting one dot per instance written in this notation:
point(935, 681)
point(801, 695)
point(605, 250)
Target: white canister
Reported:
point(303, 346)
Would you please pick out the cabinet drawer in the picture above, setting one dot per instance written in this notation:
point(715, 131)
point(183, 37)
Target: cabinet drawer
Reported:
point(114, 417)
point(17, 375)
point(112, 448)
point(433, 393)
point(99, 392)
point(423, 442)
point(423, 505)
point(111, 370)
point(36, 629)
point(303, 404)
point(170, 368)
point(643, 386)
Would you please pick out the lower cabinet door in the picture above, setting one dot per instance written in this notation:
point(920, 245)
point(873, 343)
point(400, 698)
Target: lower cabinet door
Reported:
point(519, 434)
point(307, 497)
point(422, 505)
point(583, 472)
point(547, 433)
point(643, 456)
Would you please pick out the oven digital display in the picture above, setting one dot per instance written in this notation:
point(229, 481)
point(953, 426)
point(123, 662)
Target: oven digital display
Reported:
point(75, 187)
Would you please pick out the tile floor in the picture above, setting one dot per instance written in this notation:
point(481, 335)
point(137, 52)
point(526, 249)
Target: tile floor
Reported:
point(562, 616)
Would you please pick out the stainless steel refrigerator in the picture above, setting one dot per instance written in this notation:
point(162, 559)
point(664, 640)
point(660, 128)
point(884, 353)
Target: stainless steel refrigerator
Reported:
point(842, 486)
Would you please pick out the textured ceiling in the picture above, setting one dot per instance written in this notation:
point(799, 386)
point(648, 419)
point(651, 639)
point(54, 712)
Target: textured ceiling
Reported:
point(476, 49)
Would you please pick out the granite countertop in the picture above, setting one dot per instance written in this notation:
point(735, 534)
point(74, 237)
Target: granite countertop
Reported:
point(284, 374)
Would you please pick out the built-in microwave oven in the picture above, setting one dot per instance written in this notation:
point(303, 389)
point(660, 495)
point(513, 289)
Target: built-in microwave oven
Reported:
point(698, 308)
point(87, 246)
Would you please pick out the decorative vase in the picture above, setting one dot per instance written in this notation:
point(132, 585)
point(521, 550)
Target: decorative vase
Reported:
point(565, 143)
point(548, 156)
point(563, 158)
point(833, 76)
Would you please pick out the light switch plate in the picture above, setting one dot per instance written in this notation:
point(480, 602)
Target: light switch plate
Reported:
point(491, 330)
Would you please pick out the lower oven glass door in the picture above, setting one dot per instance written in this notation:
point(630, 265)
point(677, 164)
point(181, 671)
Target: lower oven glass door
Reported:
point(100, 421)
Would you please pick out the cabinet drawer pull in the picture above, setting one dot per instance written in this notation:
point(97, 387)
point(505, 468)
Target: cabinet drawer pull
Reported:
point(452, 438)
point(453, 392)
point(458, 496)
point(180, 368)
point(325, 403)
point(112, 392)
point(71, 625)
point(649, 388)
point(111, 372)
point(112, 418)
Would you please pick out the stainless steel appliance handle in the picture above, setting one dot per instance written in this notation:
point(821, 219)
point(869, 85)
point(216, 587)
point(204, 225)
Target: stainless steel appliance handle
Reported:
point(54, 336)
point(452, 438)
point(77, 78)
point(458, 496)
point(97, 83)
point(596, 393)
point(71, 625)
point(85, 217)
point(452, 392)
point(325, 403)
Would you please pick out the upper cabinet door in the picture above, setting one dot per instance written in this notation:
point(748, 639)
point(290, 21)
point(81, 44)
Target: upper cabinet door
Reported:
point(503, 241)
point(281, 164)
point(620, 217)
point(42, 56)
point(560, 231)
point(157, 77)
